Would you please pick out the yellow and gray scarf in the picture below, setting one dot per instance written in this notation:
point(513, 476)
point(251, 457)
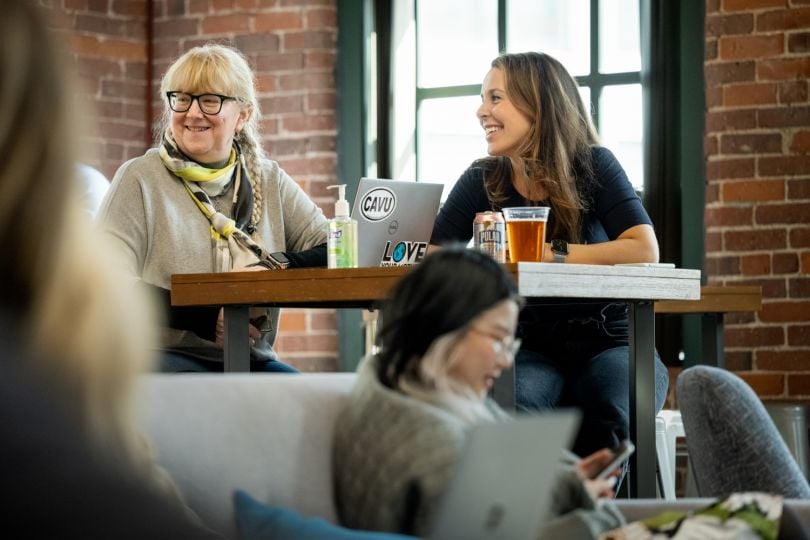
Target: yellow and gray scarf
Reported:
point(232, 244)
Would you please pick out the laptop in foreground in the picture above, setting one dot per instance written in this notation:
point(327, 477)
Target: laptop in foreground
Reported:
point(394, 220)
point(503, 483)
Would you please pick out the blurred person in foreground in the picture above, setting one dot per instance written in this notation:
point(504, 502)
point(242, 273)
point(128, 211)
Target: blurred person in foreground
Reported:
point(72, 340)
point(207, 199)
point(449, 332)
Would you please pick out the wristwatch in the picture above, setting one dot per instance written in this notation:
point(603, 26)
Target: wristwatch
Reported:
point(279, 260)
point(559, 248)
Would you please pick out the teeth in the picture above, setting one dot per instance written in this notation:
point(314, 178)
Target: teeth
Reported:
point(491, 129)
point(197, 129)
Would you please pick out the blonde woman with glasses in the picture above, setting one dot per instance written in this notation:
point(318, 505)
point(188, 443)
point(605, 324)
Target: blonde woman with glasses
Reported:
point(207, 199)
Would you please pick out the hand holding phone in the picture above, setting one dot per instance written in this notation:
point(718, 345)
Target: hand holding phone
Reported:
point(620, 453)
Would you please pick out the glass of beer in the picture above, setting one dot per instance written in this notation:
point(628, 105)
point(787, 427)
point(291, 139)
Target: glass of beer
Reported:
point(526, 232)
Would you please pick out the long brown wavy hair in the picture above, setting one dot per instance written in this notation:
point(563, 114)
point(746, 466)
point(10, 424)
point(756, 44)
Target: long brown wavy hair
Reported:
point(558, 145)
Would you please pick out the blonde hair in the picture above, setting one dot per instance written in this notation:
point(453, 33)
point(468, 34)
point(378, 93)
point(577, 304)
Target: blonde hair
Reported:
point(83, 329)
point(222, 70)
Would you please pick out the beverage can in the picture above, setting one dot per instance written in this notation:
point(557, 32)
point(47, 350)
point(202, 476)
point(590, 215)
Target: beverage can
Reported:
point(489, 235)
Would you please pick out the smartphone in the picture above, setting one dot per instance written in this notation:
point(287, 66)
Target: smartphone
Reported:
point(620, 453)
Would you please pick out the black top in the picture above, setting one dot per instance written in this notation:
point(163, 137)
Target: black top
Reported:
point(612, 207)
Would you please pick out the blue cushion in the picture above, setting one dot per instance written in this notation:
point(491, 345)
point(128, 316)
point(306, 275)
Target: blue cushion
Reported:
point(256, 521)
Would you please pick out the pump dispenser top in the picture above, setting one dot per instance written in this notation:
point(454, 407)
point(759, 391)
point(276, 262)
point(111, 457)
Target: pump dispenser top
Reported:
point(341, 245)
point(341, 206)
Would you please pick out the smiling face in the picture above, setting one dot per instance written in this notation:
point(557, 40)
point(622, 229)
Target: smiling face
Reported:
point(484, 351)
point(207, 138)
point(505, 126)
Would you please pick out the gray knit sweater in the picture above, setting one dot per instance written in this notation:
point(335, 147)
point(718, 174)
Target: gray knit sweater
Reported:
point(393, 456)
point(157, 230)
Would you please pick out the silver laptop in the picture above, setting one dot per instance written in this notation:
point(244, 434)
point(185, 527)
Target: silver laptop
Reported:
point(394, 220)
point(502, 486)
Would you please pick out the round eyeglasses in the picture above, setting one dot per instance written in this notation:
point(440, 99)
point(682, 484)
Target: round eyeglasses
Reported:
point(508, 345)
point(209, 103)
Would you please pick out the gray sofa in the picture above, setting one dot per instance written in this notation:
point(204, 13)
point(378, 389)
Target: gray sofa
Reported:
point(270, 435)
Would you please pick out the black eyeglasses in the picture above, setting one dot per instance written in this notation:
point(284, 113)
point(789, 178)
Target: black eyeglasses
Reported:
point(209, 103)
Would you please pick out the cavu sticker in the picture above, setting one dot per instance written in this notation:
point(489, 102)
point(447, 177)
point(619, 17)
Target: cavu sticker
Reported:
point(378, 204)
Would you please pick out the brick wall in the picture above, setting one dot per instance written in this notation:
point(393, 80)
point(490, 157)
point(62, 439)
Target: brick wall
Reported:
point(758, 184)
point(291, 45)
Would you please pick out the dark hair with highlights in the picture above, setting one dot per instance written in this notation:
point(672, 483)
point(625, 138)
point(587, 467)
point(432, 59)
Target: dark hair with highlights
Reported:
point(558, 145)
point(446, 291)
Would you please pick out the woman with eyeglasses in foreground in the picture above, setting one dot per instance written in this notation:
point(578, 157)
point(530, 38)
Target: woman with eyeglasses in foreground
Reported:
point(208, 200)
point(448, 333)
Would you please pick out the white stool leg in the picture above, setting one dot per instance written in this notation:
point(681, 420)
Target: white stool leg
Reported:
point(665, 459)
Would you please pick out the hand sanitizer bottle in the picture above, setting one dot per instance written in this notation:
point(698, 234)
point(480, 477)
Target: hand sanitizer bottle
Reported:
point(341, 246)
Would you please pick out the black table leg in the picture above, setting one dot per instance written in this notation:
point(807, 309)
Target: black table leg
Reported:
point(642, 399)
point(237, 347)
point(712, 334)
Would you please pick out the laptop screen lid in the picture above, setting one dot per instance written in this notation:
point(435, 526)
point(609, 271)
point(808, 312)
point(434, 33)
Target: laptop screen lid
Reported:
point(502, 485)
point(394, 220)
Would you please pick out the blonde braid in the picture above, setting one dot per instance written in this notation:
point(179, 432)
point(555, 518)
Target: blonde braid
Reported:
point(252, 155)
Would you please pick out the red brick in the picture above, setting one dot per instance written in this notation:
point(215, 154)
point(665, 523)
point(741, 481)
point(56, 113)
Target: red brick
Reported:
point(792, 360)
point(316, 39)
point(320, 59)
point(787, 166)
point(737, 360)
point(800, 237)
point(736, 95)
point(131, 8)
point(754, 190)
point(717, 169)
point(728, 216)
point(753, 265)
point(306, 81)
point(224, 24)
point(805, 264)
point(282, 104)
point(321, 122)
point(765, 384)
point(782, 213)
point(321, 18)
point(310, 342)
point(321, 102)
point(175, 29)
point(710, 49)
point(755, 143)
point(798, 188)
point(322, 320)
point(785, 263)
point(792, 91)
point(274, 62)
point(784, 117)
point(292, 321)
point(751, 47)
point(785, 311)
point(722, 266)
point(799, 335)
point(120, 89)
point(714, 97)
point(310, 165)
point(713, 242)
point(750, 5)
point(786, 19)
point(723, 121)
point(725, 25)
point(771, 287)
point(711, 145)
point(799, 287)
point(783, 68)
point(761, 239)
point(799, 42)
point(729, 72)
point(279, 20)
point(798, 384)
point(256, 43)
point(801, 142)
